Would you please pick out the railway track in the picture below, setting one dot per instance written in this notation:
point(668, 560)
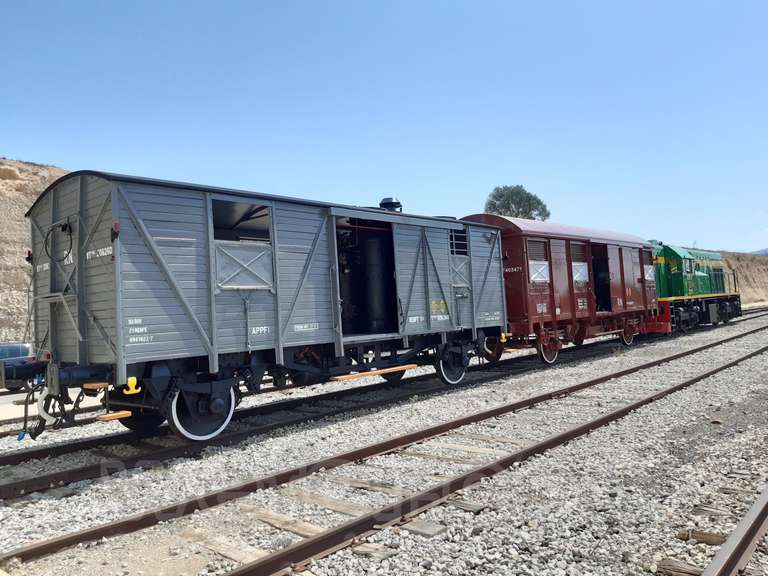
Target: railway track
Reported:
point(735, 554)
point(501, 366)
point(510, 366)
point(405, 508)
point(424, 385)
point(148, 455)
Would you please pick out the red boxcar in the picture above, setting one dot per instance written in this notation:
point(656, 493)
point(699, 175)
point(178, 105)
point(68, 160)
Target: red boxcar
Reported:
point(565, 284)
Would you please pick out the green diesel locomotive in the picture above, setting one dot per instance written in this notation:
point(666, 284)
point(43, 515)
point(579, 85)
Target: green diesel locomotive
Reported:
point(694, 287)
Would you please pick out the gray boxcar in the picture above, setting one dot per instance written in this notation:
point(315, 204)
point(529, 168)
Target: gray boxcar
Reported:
point(176, 295)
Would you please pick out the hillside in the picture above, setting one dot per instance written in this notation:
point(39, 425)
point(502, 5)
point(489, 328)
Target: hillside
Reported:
point(752, 273)
point(20, 183)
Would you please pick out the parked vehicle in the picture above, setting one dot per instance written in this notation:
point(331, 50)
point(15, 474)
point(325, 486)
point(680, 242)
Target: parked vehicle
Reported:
point(14, 354)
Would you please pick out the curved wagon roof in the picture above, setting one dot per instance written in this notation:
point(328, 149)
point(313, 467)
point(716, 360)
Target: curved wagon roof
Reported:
point(374, 211)
point(550, 230)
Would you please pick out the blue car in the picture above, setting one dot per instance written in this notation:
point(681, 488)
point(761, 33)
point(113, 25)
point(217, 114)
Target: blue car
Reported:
point(15, 353)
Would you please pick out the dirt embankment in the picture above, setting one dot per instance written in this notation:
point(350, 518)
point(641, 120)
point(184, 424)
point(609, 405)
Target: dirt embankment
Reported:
point(20, 184)
point(751, 273)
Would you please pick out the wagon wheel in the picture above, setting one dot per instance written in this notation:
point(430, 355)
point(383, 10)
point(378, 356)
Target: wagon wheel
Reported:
point(143, 422)
point(627, 336)
point(200, 416)
point(493, 348)
point(451, 366)
point(548, 351)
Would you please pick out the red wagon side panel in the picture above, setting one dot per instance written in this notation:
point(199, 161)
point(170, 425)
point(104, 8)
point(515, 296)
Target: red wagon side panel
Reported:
point(568, 283)
point(560, 281)
point(617, 279)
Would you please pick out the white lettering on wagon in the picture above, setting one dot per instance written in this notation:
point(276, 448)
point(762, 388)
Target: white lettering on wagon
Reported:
point(137, 332)
point(490, 316)
point(259, 330)
point(43, 267)
point(419, 319)
point(308, 327)
point(140, 339)
point(98, 252)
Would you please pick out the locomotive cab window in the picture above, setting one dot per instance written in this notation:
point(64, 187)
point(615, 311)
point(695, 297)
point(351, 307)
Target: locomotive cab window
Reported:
point(240, 221)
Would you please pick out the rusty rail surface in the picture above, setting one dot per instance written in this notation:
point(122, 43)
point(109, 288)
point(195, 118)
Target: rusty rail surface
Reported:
point(127, 437)
point(300, 554)
point(734, 555)
point(215, 498)
point(749, 314)
point(158, 457)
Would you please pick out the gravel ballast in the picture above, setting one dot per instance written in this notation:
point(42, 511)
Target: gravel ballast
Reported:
point(122, 494)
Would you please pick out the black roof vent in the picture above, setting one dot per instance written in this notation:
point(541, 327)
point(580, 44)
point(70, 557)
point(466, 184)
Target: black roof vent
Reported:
point(392, 204)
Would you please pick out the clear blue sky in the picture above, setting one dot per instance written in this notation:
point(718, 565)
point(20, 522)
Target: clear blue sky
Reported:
point(647, 117)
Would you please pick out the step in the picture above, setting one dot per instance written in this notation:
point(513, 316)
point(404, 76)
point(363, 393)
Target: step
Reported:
point(367, 373)
point(114, 416)
point(95, 386)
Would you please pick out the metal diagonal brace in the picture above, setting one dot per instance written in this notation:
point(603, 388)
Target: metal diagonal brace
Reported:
point(246, 268)
point(488, 266)
point(71, 317)
point(304, 273)
point(161, 263)
point(437, 276)
point(410, 287)
point(89, 237)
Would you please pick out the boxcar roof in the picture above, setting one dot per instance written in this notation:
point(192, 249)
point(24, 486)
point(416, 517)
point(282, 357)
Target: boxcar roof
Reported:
point(219, 190)
point(550, 230)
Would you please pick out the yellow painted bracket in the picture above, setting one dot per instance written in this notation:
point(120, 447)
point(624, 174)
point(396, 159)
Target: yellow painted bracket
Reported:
point(356, 375)
point(133, 386)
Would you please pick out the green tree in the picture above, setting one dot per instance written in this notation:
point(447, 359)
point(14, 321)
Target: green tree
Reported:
point(517, 202)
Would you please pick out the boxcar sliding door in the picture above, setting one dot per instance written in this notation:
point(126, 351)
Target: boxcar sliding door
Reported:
point(425, 298)
point(243, 279)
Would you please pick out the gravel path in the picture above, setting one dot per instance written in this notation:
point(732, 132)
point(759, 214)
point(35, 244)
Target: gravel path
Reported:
point(101, 501)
